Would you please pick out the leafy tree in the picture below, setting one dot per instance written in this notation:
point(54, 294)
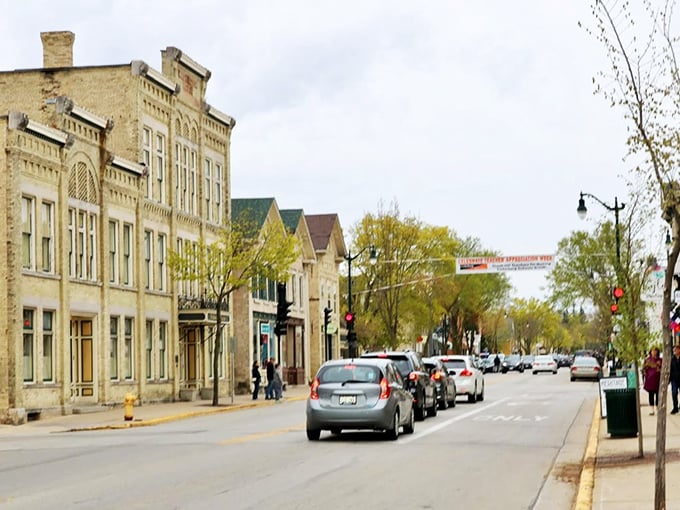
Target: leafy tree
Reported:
point(644, 80)
point(239, 254)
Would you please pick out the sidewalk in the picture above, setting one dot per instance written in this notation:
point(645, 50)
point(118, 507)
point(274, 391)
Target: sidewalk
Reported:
point(622, 480)
point(102, 418)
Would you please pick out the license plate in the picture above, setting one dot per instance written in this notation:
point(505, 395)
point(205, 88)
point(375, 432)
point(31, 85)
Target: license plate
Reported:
point(348, 400)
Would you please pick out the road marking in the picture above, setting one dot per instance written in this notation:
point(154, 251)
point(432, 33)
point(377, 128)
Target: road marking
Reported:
point(261, 435)
point(448, 422)
point(510, 418)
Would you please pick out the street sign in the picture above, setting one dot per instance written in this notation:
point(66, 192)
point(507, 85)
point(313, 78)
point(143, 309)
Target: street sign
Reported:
point(264, 328)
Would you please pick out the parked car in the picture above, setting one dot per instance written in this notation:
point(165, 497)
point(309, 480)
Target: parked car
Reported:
point(416, 377)
point(585, 367)
point(512, 363)
point(468, 376)
point(528, 361)
point(563, 360)
point(359, 394)
point(445, 383)
point(544, 363)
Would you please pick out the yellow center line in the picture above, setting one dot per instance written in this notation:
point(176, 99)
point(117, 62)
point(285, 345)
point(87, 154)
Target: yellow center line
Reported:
point(261, 435)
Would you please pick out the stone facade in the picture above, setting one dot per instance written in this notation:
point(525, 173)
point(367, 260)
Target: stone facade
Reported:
point(104, 169)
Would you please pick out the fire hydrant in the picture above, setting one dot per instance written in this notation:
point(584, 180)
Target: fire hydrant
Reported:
point(129, 403)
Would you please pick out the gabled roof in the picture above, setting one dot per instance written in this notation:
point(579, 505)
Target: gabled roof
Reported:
point(324, 226)
point(291, 218)
point(253, 211)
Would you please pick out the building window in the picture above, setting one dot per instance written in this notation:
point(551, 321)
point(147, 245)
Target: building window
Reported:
point(29, 335)
point(47, 236)
point(48, 346)
point(160, 168)
point(127, 254)
point(219, 186)
point(146, 159)
point(148, 357)
point(160, 260)
point(162, 349)
point(82, 227)
point(113, 355)
point(148, 276)
point(192, 182)
point(113, 251)
point(179, 189)
point(207, 174)
point(128, 346)
point(27, 228)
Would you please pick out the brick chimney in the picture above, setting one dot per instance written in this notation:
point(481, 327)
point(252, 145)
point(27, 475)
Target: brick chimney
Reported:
point(57, 48)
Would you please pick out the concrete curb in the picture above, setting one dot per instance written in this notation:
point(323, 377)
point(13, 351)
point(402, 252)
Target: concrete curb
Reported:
point(584, 496)
point(179, 416)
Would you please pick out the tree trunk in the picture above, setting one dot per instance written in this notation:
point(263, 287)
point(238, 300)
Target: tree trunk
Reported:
point(216, 353)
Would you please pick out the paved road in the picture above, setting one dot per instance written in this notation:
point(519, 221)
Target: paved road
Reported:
point(520, 448)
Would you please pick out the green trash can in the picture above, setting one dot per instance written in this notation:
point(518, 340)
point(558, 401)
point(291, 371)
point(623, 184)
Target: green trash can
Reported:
point(621, 412)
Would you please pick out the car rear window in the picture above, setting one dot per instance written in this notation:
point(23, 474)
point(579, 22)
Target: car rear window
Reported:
point(455, 363)
point(399, 360)
point(350, 372)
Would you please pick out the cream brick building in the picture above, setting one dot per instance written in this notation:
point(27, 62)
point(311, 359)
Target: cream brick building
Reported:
point(104, 169)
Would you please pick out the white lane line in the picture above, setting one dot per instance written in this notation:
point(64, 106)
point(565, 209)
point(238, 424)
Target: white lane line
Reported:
point(448, 422)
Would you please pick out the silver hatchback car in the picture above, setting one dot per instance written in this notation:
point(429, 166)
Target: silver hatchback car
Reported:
point(359, 394)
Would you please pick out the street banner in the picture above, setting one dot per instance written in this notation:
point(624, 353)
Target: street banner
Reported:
point(481, 265)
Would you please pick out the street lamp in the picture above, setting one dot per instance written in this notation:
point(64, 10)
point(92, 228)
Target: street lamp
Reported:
point(582, 211)
point(351, 335)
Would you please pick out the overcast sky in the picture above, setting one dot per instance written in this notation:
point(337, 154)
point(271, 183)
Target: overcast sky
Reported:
point(476, 115)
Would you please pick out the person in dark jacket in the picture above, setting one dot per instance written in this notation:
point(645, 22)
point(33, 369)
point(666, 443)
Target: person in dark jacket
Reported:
point(269, 390)
point(675, 377)
point(255, 373)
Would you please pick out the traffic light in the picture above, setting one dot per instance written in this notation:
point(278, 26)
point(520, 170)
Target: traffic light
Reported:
point(282, 310)
point(326, 317)
point(617, 293)
point(349, 319)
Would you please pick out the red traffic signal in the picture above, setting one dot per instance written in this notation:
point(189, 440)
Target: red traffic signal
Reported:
point(349, 317)
point(614, 308)
point(617, 292)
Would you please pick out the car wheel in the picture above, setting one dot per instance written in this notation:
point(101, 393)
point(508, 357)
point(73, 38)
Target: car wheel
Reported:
point(472, 397)
point(452, 402)
point(420, 411)
point(410, 425)
point(336, 432)
point(393, 433)
point(572, 379)
point(480, 397)
point(534, 372)
point(432, 411)
point(444, 404)
point(313, 434)
point(555, 372)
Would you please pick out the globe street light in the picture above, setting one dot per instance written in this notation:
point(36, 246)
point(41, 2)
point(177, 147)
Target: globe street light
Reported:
point(582, 211)
point(351, 335)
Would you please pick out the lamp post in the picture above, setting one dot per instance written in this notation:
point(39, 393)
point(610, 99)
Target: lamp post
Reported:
point(351, 335)
point(582, 211)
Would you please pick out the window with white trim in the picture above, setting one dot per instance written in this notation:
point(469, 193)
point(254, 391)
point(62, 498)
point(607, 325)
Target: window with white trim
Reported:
point(146, 159)
point(207, 193)
point(29, 339)
point(219, 187)
point(27, 229)
point(47, 237)
point(162, 349)
point(148, 350)
point(128, 346)
point(127, 255)
point(148, 254)
point(160, 168)
point(113, 251)
point(48, 346)
point(161, 250)
point(113, 353)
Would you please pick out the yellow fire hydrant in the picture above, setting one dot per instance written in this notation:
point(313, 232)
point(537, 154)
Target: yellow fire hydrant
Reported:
point(129, 403)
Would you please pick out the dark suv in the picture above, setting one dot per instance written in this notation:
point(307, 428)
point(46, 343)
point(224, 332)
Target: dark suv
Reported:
point(416, 377)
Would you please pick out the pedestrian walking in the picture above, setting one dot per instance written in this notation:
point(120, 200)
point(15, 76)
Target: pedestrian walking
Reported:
point(675, 377)
point(651, 377)
point(496, 363)
point(278, 382)
point(269, 390)
point(257, 378)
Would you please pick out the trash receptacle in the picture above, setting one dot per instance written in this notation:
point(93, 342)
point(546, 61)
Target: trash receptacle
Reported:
point(621, 412)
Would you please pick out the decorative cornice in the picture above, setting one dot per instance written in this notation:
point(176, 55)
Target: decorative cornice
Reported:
point(177, 55)
point(141, 68)
point(218, 115)
point(138, 169)
point(67, 106)
point(19, 120)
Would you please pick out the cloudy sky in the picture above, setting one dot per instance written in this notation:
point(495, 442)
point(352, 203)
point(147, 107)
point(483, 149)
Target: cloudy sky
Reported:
point(476, 115)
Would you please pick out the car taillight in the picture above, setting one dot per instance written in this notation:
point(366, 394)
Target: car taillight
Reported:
point(465, 373)
point(436, 376)
point(597, 369)
point(313, 394)
point(573, 369)
point(385, 389)
point(412, 376)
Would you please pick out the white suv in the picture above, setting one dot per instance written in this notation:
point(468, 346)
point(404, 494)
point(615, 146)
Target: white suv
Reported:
point(469, 378)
